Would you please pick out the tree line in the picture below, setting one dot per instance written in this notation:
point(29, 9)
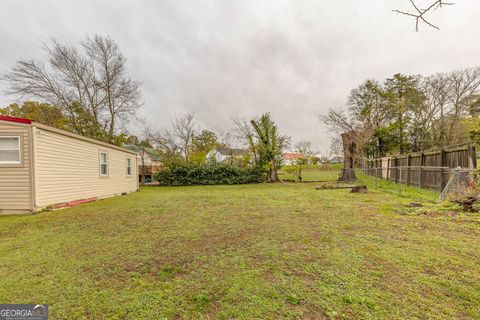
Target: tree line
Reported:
point(184, 143)
point(86, 89)
point(408, 113)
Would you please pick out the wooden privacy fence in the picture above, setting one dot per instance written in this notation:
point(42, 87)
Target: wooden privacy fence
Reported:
point(430, 170)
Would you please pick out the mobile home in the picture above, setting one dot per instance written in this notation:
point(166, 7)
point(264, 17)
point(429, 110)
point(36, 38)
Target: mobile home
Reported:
point(41, 166)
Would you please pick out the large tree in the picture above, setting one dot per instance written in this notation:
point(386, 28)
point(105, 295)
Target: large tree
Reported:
point(402, 97)
point(39, 112)
point(203, 143)
point(92, 82)
point(270, 144)
point(411, 113)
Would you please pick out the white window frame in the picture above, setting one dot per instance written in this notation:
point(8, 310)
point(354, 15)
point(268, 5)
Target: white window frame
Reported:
point(101, 163)
point(128, 165)
point(19, 149)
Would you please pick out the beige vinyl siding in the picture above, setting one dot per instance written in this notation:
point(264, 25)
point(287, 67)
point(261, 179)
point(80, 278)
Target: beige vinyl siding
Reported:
point(16, 180)
point(68, 168)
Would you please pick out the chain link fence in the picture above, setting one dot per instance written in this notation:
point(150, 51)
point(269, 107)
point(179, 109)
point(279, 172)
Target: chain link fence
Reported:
point(460, 183)
point(441, 180)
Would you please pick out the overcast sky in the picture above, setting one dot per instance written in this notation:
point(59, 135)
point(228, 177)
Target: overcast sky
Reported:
point(220, 58)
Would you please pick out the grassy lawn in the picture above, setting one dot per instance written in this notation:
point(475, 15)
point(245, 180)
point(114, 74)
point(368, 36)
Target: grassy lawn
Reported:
point(267, 251)
point(313, 173)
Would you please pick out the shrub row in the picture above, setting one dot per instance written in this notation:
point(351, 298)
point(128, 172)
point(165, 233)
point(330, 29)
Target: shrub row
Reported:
point(196, 174)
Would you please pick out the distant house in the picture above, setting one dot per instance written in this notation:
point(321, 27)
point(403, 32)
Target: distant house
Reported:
point(149, 163)
point(224, 154)
point(41, 166)
point(290, 158)
point(336, 160)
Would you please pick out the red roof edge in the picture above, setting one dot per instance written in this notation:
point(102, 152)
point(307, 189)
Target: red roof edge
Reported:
point(292, 156)
point(14, 119)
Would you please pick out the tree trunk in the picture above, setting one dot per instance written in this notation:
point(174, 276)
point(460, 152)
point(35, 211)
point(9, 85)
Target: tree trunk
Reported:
point(349, 153)
point(273, 173)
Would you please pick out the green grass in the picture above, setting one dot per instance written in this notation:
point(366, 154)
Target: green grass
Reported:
point(332, 173)
point(266, 251)
point(401, 190)
point(313, 173)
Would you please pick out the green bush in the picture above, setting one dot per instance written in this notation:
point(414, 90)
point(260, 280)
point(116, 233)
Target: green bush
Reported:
point(187, 174)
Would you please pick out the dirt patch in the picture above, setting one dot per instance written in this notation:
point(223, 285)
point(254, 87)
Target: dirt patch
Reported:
point(304, 182)
point(359, 189)
point(414, 205)
point(355, 189)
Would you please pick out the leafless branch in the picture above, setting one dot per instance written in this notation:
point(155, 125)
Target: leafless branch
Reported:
point(420, 14)
point(245, 132)
point(304, 147)
point(177, 140)
point(94, 81)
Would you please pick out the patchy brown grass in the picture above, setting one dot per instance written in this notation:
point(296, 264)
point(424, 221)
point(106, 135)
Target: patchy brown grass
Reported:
point(268, 251)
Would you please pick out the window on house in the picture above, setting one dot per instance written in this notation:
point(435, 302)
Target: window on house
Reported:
point(103, 164)
point(129, 166)
point(10, 150)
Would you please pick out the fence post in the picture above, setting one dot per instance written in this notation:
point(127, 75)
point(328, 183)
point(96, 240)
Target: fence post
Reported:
point(472, 157)
point(389, 173)
point(378, 165)
point(444, 158)
point(422, 164)
point(396, 169)
point(444, 179)
point(400, 185)
point(421, 177)
point(409, 163)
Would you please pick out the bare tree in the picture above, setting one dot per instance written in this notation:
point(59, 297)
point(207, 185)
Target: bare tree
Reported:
point(305, 148)
point(119, 93)
point(150, 136)
point(462, 85)
point(420, 14)
point(435, 89)
point(353, 135)
point(149, 133)
point(184, 130)
point(226, 138)
point(343, 122)
point(93, 84)
point(336, 148)
point(168, 142)
point(448, 101)
point(339, 121)
point(245, 132)
point(178, 140)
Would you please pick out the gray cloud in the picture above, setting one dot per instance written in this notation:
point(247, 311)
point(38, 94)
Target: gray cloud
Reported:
point(221, 58)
